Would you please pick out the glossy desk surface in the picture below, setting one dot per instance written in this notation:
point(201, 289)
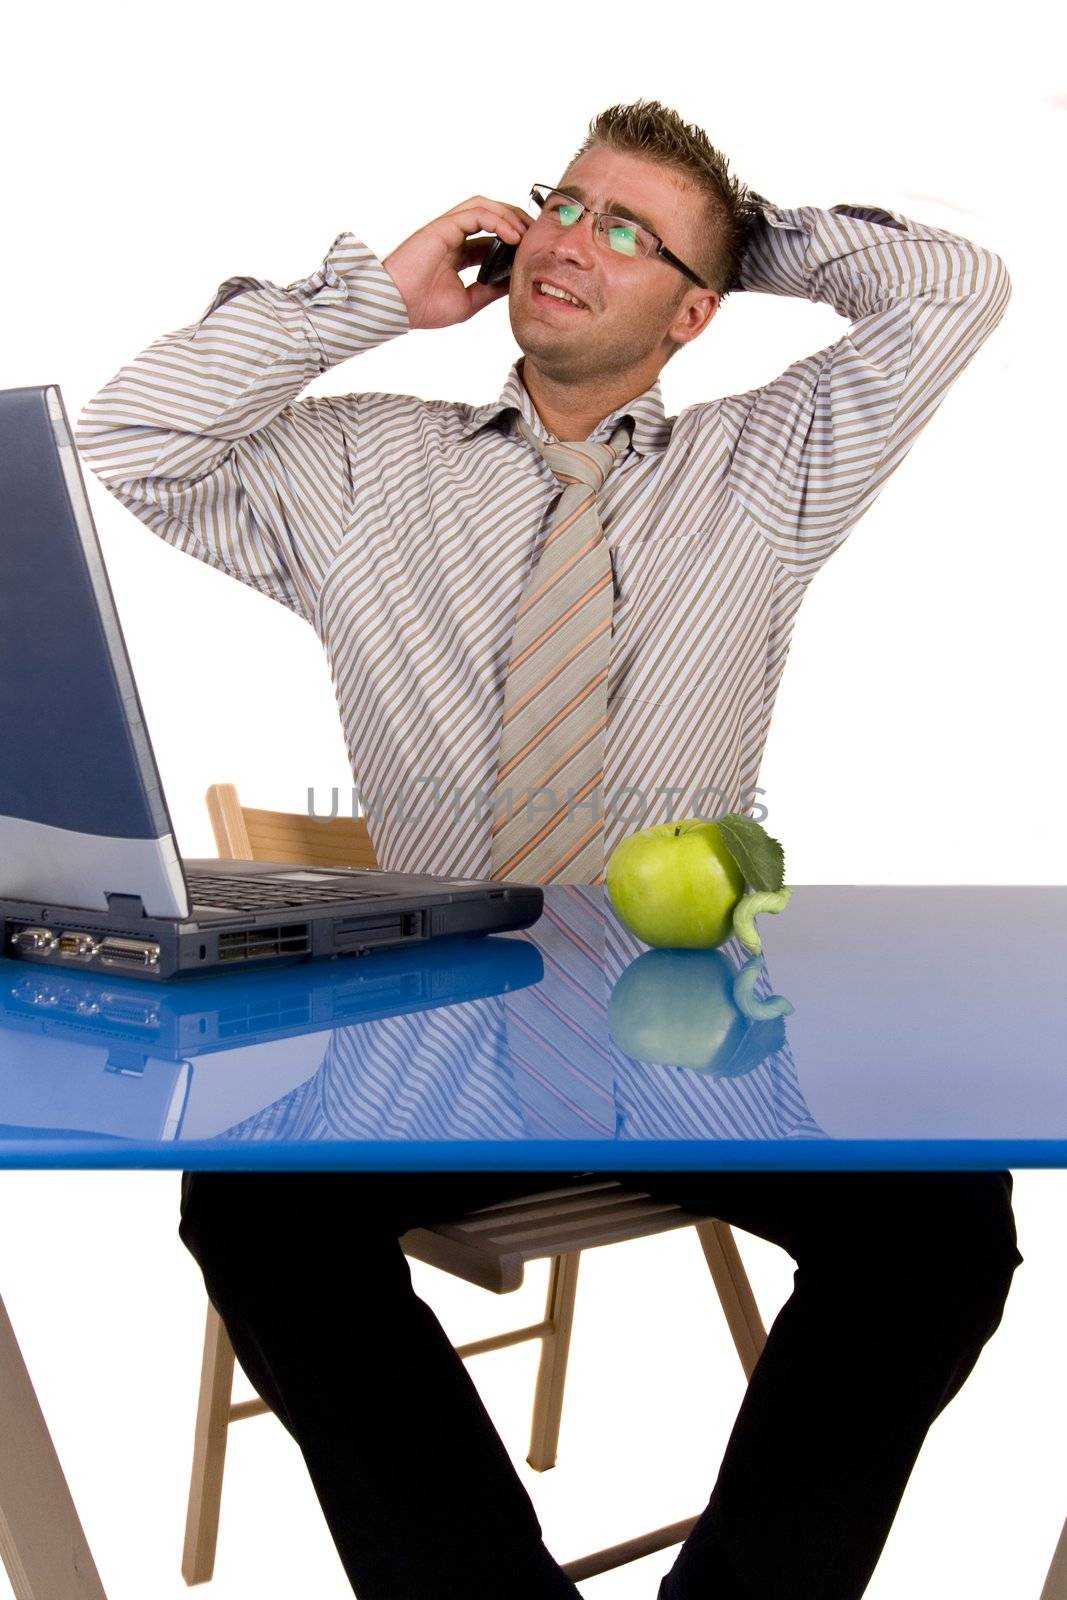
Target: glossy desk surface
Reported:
point(928, 1028)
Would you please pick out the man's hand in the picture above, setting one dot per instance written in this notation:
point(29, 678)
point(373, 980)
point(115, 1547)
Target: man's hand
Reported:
point(426, 267)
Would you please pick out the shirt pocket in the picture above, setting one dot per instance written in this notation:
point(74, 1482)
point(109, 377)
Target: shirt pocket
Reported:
point(664, 636)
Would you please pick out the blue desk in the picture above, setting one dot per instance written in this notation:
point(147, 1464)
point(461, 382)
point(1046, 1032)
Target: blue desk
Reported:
point(927, 1029)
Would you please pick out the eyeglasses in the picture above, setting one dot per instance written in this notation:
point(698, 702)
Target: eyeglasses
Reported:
point(623, 235)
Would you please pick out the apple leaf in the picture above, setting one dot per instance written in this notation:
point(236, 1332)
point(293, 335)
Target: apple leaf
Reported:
point(759, 858)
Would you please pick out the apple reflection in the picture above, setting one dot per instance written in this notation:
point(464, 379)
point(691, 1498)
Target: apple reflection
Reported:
point(695, 1009)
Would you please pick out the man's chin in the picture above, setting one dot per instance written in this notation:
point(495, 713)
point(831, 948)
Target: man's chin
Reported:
point(538, 338)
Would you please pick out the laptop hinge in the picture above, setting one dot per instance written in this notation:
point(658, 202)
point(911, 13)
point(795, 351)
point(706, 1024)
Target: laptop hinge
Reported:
point(126, 905)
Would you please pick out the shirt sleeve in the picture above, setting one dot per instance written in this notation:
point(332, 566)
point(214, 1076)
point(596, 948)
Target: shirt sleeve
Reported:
point(201, 435)
point(809, 452)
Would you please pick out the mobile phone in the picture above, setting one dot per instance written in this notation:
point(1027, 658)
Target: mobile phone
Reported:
point(496, 268)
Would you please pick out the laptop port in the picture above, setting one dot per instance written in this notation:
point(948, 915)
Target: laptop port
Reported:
point(116, 952)
point(35, 939)
point(80, 945)
point(355, 933)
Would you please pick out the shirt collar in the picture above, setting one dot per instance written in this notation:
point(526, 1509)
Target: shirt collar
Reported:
point(651, 430)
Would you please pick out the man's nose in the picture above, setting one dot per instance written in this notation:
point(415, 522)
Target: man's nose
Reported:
point(577, 243)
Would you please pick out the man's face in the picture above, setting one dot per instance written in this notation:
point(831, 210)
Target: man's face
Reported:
point(632, 301)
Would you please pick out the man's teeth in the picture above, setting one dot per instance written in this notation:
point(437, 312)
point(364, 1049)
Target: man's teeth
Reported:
point(560, 294)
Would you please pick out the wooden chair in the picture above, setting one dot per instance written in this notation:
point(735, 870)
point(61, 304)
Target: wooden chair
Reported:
point(488, 1247)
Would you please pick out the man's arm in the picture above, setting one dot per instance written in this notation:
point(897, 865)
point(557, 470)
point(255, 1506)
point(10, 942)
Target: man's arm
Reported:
point(202, 438)
point(810, 451)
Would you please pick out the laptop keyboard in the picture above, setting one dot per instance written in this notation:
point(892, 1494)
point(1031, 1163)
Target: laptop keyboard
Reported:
point(267, 894)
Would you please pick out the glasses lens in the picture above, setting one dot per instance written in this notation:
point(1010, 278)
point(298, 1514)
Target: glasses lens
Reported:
point(624, 237)
point(560, 207)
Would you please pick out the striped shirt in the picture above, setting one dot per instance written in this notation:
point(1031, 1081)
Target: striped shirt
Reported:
point(403, 530)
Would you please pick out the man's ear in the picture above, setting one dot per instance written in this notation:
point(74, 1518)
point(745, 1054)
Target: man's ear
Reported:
point(708, 303)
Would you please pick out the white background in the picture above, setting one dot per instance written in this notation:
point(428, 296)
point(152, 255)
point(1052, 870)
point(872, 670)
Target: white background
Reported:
point(151, 152)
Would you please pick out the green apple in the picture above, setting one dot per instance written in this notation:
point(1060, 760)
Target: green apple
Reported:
point(675, 885)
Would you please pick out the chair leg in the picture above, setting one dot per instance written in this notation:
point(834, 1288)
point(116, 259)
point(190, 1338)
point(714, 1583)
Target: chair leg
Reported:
point(209, 1452)
point(735, 1291)
point(552, 1369)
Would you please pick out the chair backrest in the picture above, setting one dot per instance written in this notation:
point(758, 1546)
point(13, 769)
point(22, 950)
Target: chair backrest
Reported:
point(245, 834)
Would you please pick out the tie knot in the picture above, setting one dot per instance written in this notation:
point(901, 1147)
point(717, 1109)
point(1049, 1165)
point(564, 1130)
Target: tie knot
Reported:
point(581, 460)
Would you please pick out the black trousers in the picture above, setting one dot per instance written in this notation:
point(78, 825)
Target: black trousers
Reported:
point(901, 1278)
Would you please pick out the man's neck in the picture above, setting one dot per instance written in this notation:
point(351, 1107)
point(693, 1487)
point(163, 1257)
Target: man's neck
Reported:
point(573, 413)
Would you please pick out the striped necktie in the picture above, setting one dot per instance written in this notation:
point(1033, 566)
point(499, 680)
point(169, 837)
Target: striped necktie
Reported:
point(550, 768)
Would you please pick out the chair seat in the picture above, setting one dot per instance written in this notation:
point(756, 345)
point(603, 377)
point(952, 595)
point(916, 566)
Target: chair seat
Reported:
point(490, 1247)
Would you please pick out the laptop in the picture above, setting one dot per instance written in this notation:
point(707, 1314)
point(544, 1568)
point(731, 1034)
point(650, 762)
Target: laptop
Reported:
point(90, 874)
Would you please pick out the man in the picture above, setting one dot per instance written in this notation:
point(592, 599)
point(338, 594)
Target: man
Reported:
point(405, 532)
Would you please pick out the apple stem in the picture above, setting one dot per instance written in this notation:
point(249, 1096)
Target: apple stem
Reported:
point(677, 830)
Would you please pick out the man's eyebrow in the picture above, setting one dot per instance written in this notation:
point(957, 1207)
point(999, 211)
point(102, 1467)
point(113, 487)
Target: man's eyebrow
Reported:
point(613, 207)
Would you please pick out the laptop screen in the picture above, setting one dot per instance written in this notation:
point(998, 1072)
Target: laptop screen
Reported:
point(82, 813)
